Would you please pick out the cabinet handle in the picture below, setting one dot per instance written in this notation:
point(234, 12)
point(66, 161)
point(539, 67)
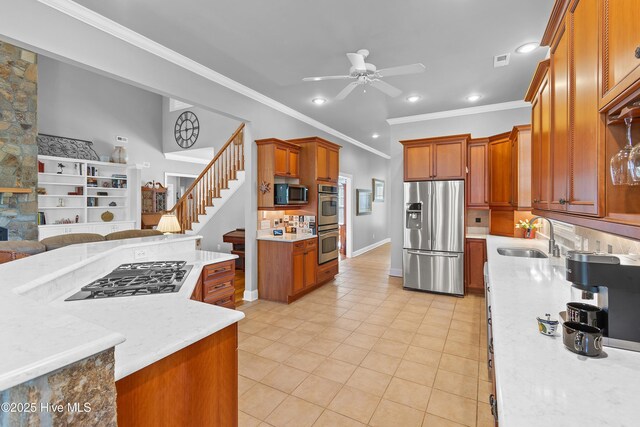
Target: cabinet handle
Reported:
point(638, 52)
point(562, 201)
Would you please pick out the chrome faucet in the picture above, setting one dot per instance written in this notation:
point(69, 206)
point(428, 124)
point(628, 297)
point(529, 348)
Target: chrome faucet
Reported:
point(553, 248)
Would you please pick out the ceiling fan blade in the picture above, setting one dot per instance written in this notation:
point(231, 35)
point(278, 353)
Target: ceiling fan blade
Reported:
point(386, 88)
point(401, 70)
point(357, 61)
point(347, 90)
point(317, 79)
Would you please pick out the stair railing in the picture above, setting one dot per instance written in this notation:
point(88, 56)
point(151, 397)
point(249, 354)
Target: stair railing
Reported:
point(212, 180)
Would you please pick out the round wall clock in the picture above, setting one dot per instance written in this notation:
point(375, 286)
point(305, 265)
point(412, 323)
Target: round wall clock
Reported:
point(187, 129)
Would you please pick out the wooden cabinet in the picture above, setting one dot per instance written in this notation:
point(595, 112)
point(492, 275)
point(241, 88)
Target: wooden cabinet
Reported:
point(620, 46)
point(216, 285)
point(435, 158)
point(154, 204)
point(276, 158)
point(320, 160)
point(195, 386)
point(478, 176)
point(559, 73)
point(475, 257)
point(540, 97)
point(286, 270)
point(500, 180)
point(586, 163)
point(520, 138)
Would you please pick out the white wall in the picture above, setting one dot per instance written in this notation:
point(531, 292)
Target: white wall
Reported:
point(77, 103)
point(215, 129)
point(55, 34)
point(478, 125)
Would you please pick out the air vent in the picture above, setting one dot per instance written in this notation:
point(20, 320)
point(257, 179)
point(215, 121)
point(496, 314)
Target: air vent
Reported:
point(501, 60)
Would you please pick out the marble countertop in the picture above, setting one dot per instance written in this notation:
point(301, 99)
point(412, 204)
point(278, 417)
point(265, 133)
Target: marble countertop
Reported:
point(538, 381)
point(475, 236)
point(287, 237)
point(41, 334)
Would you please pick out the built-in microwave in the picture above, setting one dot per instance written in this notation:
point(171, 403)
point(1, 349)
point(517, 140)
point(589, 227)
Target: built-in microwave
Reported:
point(290, 194)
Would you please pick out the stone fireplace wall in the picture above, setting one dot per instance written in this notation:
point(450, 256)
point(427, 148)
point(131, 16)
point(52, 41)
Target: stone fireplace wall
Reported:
point(18, 147)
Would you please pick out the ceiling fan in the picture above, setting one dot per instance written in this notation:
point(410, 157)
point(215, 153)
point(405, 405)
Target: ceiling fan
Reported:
point(368, 74)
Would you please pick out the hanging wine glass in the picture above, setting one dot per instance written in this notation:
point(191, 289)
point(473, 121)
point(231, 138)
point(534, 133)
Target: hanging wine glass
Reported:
point(634, 158)
point(620, 173)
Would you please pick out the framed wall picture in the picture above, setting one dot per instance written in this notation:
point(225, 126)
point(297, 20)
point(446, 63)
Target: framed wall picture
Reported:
point(363, 202)
point(378, 190)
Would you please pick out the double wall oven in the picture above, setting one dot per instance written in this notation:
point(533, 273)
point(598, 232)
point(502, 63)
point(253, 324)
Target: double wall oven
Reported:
point(328, 234)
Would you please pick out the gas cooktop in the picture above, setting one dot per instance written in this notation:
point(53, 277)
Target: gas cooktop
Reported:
point(141, 278)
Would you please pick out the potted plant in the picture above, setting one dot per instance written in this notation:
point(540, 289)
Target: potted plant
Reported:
point(529, 228)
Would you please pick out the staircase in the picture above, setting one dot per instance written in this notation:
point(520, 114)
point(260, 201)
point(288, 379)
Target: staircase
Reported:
point(213, 187)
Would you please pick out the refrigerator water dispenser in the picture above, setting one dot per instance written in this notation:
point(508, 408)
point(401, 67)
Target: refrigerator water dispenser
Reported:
point(414, 216)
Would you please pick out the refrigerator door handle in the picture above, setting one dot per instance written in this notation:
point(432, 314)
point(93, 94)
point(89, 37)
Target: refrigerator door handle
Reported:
point(433, 254)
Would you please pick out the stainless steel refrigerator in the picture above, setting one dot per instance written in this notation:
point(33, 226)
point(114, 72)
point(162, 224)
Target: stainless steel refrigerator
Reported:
point(433, 255)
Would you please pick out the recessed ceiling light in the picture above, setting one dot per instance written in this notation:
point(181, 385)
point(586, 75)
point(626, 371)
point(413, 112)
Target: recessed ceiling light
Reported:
point(473, 98)
point(413, 98)
point(375, 135)
point(315, 79)
point(528, 47)
point(318, 101)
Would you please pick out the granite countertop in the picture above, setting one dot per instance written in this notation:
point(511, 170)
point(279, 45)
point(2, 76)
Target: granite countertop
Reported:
point(538, 381)
point(42, 333)
point(287, 237)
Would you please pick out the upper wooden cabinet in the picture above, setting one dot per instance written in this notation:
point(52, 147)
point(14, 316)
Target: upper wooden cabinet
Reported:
point(321, 157)
point(620, 47)
point(576, 165)
point(286, 157)
point(500, 179)
point(276, 158)
point(478, 177)
point(435, 158)
point(539, 94)
point(520, 139)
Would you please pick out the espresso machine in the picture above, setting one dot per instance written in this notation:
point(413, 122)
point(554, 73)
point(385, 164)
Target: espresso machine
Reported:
point(614, 283)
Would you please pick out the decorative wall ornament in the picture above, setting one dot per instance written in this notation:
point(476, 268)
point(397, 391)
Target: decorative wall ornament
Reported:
point(378, 190)
point(265, 187)
point(363, 202)
point(186, 129)
point(60, 146)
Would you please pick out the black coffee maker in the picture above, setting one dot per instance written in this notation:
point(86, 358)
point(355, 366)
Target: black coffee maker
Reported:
point(615, 283)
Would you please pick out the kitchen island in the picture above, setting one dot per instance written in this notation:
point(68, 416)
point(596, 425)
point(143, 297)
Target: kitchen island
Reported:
point(538, 381)
point(45, 333)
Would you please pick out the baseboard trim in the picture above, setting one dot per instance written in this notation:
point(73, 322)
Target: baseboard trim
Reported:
point(250, 295)
point(371, 247)
point(395, 272)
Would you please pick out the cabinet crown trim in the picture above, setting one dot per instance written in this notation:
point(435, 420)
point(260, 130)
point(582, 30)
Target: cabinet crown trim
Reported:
point(268, 141)
point(500, 136)
point(517, 129)
point(315, 139)
point(557, 15)
point(450, 138)
point(536, 81)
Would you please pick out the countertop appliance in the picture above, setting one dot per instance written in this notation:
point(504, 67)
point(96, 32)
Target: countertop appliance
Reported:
point(290, 194)
point(327, 205)
point(614, 283)
point(142, 278)
point(433, 255)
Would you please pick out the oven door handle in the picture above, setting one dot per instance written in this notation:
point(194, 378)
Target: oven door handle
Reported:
point(328, 233)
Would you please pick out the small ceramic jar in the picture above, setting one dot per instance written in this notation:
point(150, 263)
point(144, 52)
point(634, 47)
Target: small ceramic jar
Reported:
point(547, 326)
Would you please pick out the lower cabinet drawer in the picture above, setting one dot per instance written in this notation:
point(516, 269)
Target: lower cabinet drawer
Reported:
point(214, 271)
point(213, 291)
point(327, 272)
point(227, 302)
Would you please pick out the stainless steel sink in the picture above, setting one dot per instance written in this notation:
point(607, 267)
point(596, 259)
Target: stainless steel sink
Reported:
point(522, 252)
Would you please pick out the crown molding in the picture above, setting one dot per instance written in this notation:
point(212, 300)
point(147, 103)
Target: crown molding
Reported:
point(127, 35)
point(511, 105)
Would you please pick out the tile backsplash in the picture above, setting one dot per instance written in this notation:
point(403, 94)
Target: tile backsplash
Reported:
point(573, 237)
point(301, 224)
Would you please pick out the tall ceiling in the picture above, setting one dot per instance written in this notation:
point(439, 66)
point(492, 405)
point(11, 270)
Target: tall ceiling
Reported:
point(270, 46)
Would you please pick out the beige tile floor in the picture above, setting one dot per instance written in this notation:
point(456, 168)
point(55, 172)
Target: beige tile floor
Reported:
point(362, 351)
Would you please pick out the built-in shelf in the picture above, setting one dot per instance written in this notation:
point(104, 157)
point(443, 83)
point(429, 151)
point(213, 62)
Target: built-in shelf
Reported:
point(44, 208)
point(110, 197)
point(106, 177)
point(60, 195)
point(60, 174)
point(72, 184)
point(15, 190)
point(105, 189)
point(106, 207)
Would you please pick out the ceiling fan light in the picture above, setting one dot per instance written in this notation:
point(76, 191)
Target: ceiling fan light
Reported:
point(527, 47)
point(318, 101)
point(413, 98)
point(473, 98)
